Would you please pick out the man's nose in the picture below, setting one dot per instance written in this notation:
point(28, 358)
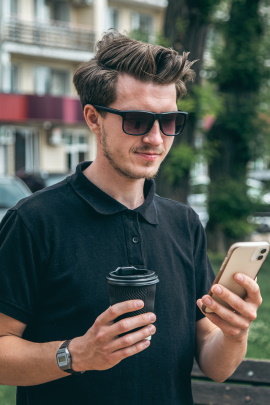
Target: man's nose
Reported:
point(154, 136)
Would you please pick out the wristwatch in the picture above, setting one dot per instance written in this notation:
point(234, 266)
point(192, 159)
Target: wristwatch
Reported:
point(64, 360)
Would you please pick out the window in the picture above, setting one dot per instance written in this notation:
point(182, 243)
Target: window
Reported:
point(26, 150)
point(60, 11)
point(142, 26)
point(14, 79)
point(13, 8)
point(76, 145)
point(51, 81)
point(9, 8)
point(42, 10)
point(42, 78)
point(46, 10)
point(59, 82)
point(113, 18)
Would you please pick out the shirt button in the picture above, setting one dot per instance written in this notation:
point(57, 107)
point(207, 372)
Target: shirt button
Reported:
point(135, 239)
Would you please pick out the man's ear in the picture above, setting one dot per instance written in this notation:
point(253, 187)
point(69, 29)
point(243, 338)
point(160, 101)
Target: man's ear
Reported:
point(92, 118)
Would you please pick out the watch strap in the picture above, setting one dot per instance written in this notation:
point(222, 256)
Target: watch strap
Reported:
point(65, 344)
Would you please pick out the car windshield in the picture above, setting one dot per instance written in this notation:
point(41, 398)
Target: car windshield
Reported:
point(10, 194)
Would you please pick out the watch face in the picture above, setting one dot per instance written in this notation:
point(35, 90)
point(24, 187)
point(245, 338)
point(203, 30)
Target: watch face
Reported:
point(62, 360)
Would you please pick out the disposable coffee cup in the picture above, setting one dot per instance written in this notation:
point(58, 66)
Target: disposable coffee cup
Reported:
point(130, 283)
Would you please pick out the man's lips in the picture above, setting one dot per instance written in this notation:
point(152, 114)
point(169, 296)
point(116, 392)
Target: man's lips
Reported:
point(148, 155)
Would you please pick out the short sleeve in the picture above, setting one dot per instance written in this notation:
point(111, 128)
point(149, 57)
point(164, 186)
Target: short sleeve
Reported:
point(19, 261)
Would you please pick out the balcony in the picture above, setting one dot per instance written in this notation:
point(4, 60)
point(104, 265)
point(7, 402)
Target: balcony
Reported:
point(30, 108)
point(158, 4)
point(56, 34)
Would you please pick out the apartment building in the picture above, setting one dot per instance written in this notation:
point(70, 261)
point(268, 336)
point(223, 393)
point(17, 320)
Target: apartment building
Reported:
point(41, 42)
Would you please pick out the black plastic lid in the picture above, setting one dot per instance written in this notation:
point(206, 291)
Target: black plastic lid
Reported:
point(131, 276)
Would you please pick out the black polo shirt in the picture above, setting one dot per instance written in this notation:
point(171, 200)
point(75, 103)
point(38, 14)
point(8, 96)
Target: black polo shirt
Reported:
point(56, 248)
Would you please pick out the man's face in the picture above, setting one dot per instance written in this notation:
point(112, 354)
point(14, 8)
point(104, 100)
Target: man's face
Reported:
point(137, 157)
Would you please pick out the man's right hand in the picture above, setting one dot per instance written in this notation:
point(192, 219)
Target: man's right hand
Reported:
point(101, 347)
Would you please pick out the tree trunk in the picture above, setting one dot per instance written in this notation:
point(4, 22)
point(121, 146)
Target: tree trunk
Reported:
point(186, 26)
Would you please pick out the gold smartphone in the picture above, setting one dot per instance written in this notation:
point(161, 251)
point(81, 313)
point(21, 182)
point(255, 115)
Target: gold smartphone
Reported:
point(242, 257)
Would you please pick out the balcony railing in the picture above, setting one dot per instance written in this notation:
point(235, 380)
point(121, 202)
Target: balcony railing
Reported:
point(54, 34)
point(157, 3)
point(147, 3)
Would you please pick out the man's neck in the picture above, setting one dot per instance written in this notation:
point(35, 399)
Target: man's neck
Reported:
point(128, 192)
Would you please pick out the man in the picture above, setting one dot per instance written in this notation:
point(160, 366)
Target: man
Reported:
point(58, 246)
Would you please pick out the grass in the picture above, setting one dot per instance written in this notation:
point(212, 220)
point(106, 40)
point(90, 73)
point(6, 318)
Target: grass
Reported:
point(259, 342)
point(7, 395)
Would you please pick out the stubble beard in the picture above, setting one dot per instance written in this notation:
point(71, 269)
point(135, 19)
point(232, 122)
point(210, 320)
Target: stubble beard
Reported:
point(125, 172)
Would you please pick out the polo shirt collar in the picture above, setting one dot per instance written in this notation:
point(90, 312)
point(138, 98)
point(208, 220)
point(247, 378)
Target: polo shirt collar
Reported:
point(105, 204)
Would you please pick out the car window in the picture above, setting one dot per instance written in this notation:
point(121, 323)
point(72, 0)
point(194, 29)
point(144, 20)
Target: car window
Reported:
point(10, 194)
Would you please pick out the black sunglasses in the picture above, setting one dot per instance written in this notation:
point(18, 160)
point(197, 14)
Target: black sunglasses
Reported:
point(137, 122)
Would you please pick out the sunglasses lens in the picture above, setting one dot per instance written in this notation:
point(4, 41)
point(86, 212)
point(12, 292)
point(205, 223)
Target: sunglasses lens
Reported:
point(137, 123)
point(172, 123)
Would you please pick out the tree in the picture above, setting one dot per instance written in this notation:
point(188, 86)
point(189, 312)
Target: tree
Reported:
point(185, 29)
point(239, 77)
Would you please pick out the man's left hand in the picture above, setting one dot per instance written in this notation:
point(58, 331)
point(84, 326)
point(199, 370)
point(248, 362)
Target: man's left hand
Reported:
point(233, 323)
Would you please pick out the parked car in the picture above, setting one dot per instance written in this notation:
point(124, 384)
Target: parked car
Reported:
point(12, 189)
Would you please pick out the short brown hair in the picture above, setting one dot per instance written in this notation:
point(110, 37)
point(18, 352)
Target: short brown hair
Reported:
point(96, 80)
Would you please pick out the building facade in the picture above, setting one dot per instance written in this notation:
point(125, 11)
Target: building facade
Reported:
point(42, 42)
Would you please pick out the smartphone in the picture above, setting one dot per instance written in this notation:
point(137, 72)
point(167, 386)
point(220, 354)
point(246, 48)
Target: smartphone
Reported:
point(242, 257)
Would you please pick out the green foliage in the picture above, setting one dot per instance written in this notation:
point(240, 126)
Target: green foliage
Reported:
point(179, 162)
point(181, 26)
point(188, 103)
point(230, 207)
point(210, 102)
point(259, 342)
point(210, 150)
point(163, 41)
point(140, 35)
point(7, 395)
point(234, 136)
point(203, 100)
point(237, 64)
point(233, 139)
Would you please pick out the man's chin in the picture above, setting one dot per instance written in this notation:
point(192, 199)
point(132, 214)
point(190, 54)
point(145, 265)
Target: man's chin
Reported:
point(146, 174)
point(134, 171)
point(149, 171)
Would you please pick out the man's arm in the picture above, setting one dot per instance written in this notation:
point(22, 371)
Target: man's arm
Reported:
point(26, 363)
point(222, 336)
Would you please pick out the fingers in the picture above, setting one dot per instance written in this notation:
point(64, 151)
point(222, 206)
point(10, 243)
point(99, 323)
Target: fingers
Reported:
point(104, 348)
point(119, 309)
point(127, 324)
point(132, 338)
point(110, 332)
point(115, 350)
point(122, 354)
point(101, 347)
point(233, 322)
point(107, 332)
point(238, 304)
point(251, 286)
